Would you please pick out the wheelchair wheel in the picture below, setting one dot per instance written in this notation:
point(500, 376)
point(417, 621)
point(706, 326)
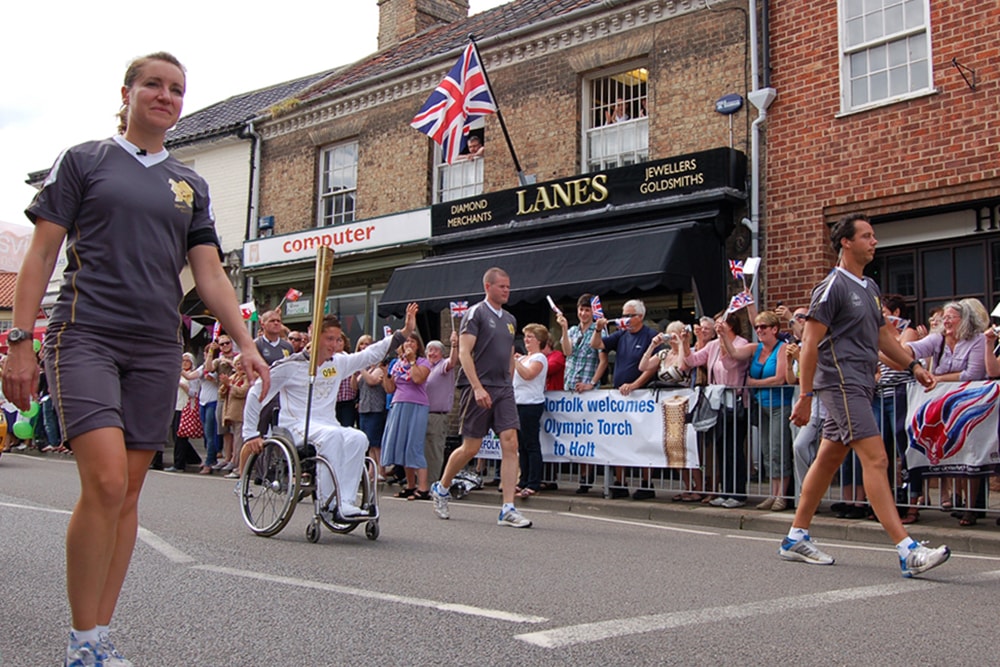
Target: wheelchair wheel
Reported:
point(362, 499)
point(313, 531)
point(371, 530)
point(269, 488)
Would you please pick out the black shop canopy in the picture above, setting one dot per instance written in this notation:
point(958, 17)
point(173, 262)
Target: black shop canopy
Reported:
point(684, 257)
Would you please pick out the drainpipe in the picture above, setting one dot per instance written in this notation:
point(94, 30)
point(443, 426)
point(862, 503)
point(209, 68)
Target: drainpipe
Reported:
point(761, 98)
point(253, 203)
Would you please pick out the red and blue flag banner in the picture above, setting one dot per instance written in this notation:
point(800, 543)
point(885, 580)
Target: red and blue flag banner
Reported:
point(736, 268)
point(386, 331)
point(741, 300)
point(952, 429)
point(595, 305)
point(458, 308)
point(293, 294)
point(461, 97)
point(217, 330)
point(622, 322)
point(899, 323)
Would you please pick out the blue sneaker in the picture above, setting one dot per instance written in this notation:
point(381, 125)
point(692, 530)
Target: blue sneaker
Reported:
point(803, 551)
point(111, 656)
point(83, 654)
point(920, 559)
point(441, 497)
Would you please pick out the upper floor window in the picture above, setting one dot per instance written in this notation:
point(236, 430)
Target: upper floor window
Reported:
point(886, 51)
point(463, 178)
point(338, 178)
point(616, 122)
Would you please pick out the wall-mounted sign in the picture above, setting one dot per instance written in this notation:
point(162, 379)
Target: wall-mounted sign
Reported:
point(680, 175)
point(729, 104)
point(365, 235)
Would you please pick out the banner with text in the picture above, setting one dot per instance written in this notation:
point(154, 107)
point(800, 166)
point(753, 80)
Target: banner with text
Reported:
point(645, 428)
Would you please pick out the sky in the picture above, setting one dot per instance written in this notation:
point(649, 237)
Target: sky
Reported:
point(62, 64)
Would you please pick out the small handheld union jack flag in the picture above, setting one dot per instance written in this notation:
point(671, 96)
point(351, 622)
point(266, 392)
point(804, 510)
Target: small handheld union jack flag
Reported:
point(741, 300)
point(458, 308)
point(595, 305)
point(736, 268)
point(292, 294)
point(216, 330)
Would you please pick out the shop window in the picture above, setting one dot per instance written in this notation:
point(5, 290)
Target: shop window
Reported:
point(338, 177)
point(885, 51)
point(616, 121)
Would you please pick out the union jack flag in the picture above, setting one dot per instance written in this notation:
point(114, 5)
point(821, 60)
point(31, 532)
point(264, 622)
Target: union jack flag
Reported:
point(595, 305)
point(741, 300)
point(458, 308)
point(292, 294)
point(736, 268)
point(460, 98)
point(217, 330)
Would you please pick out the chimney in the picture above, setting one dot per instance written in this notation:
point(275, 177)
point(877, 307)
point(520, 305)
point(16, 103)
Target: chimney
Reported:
point(398, 20)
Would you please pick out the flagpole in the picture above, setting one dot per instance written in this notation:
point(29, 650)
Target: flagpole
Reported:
point(522, 178)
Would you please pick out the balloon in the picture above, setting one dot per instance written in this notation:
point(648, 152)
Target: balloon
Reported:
point(31, 411)
point(36, 345)
point(23, 430)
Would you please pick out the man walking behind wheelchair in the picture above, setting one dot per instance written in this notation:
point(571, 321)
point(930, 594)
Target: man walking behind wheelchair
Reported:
point(344, 448)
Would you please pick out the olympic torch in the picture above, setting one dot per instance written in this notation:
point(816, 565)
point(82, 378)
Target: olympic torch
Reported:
point(324, 267)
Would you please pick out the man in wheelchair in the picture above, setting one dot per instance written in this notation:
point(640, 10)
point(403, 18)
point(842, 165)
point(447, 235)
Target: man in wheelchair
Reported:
point(344, 448)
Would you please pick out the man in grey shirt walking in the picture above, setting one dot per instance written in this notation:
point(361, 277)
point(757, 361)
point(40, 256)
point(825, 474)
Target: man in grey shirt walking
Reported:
point(838, 360)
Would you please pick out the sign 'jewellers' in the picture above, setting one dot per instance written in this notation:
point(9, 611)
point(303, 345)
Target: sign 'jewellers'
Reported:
point(670, 177)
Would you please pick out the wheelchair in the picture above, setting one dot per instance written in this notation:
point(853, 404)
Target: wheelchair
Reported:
point(282, 475)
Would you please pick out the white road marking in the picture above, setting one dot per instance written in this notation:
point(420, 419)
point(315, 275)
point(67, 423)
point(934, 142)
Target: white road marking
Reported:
point(166, 550)
point(36, 509)
point(494, 614)
point(625, 522)
point(586, 633)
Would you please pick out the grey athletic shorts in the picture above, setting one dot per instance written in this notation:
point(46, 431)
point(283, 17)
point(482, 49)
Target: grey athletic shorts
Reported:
point(475, 421)
point(99, 380)
point(849, 415)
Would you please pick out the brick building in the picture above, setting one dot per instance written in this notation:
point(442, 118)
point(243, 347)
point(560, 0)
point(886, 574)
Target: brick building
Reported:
point(888, 110)
point(634, 183)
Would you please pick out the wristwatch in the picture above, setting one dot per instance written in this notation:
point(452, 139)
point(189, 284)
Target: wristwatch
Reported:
point(18, 335)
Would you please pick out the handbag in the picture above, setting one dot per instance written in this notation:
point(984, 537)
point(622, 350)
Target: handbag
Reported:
point(190, 422)
point(703, 416)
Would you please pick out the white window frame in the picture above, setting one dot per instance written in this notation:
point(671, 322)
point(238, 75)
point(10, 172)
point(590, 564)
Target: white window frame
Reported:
point(464, 178)
point(607, 145)
point(345, 194)
point(881, 46)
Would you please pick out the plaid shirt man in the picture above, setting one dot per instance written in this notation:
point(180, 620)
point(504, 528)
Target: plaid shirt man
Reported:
point(581, 360)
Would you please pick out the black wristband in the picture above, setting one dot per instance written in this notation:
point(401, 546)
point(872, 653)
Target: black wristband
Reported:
point(913, 364)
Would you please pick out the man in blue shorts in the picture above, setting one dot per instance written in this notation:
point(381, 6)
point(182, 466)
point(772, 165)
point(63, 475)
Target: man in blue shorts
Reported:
point(486, 353)
point(843, 335)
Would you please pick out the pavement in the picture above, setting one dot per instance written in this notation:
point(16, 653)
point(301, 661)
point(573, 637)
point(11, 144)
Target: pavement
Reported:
point(935, 525)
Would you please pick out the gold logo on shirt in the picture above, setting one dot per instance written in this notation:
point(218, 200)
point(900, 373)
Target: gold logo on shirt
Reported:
point(329, 372)
point(510, 328)
point(183, 193)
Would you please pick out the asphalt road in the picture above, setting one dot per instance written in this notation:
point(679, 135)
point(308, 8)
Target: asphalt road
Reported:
point(573, 590)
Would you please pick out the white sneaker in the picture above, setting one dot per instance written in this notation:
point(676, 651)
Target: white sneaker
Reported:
point(920, 559)
point(730, 503)
point(350, 510)
point(513, 518)
point(441, 497)
point(718, 501)
point(803, 551)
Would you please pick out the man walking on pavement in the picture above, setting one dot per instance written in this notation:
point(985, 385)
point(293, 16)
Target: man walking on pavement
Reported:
point(843, 334)
point(486, 354)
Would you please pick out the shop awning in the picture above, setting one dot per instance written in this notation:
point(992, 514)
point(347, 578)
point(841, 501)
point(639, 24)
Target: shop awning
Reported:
point(684, 257)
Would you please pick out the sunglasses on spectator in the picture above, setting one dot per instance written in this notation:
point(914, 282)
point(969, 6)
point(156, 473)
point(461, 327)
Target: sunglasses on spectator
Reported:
point(800, 316)
point(225, 342)
point(758, 327)
point(295, 339)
